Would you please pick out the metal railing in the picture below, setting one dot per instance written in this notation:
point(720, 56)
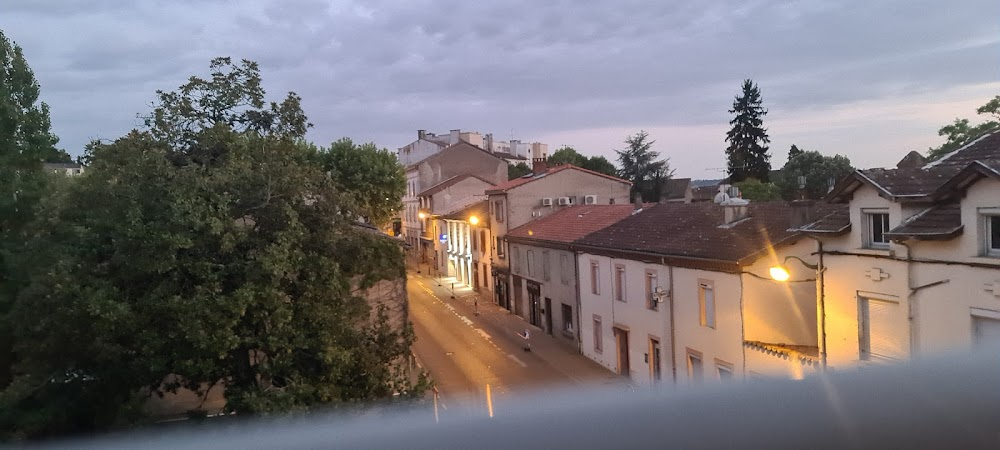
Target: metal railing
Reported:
point(945, 403)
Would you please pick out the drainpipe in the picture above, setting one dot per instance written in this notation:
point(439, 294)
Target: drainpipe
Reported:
point(579, 315)
point(911, 299)
point(673, 343)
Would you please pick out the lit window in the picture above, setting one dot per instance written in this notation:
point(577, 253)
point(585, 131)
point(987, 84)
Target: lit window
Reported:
point(876, 225)
point(706, 303)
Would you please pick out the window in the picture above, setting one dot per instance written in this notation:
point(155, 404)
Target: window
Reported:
point(567, 318)
point(595, 282)
point(694, 363)
point(499, 244)
point(876, 225)
point(991, 231)
point(482, 241)
point(651, 285)
point(985, 327)
point(724, 369)
point(474, 241)
point(516, 259)
point(530, 257)
point(546, 266)
point(598, 335)
point(564, 268)
point(706, 303)
point(655, 369)
point(883, 330)
point(498, 210)
point(620, 282)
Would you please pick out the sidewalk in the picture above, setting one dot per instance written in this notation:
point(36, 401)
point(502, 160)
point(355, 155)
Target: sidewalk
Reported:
point(492, 318)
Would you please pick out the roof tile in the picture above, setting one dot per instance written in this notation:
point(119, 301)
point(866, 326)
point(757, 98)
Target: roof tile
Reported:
point(569, 224)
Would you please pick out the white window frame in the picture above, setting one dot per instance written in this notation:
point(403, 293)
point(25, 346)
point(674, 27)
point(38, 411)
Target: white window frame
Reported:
point(564, 268)
point(706, 304)
point(722, 366)
point(595, 277)
point(598, 334)
point(865, 331)
point(652, 282)
point(989, 215)
point(868, 216)
point(691, 356)
point(620, 283)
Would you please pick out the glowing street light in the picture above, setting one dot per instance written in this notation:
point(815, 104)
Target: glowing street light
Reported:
point(780, 273)
point(421, 215)
point(474, 220)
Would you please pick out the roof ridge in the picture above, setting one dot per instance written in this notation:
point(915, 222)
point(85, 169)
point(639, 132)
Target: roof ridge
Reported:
point(933, 164)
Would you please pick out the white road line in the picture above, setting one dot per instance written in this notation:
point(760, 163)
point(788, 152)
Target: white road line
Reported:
point(466, 320)
point(517, 360)
point(483, 334)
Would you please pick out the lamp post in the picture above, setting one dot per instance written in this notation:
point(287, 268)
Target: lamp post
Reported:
point(420, 244)
point(780, 273)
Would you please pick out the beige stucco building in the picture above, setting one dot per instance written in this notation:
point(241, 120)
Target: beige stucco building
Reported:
point(537, 195)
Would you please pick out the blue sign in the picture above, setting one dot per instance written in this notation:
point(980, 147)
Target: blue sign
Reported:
point(443, 238)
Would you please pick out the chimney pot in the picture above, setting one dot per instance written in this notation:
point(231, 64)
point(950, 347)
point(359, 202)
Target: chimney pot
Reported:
point(421, 134)
point(539, 166)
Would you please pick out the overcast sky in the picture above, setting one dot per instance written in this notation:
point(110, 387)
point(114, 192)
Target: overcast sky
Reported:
point(867, 79)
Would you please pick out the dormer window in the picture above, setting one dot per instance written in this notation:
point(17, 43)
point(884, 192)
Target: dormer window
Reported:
point(991, 231)
point(876, 224)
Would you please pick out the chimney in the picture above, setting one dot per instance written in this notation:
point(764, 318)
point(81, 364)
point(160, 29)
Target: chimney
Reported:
point(488, 142)
point(735, 210)
point(637, 201)
point(801, 214)
point(421, 134)
point(539, 166)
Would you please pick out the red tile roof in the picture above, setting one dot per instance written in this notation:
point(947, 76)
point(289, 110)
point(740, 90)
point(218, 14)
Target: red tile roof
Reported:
point(572, 223)
point(694, 231)
point(504, 187)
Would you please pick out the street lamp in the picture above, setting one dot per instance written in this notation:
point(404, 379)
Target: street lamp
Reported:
point(781, 273)
point(473, 220)
point(421, 215)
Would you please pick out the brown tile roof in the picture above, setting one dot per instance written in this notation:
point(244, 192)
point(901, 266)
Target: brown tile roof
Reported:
point(838, 221)
point(985, 148)
point(460, 146)
point(449, 183)
point(937, 222)
point(911, 160)
point(504, 187)
point(693, 231)
point(569, 224)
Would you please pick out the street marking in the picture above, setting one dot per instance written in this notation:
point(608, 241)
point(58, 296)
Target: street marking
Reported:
point(466, 320)
point(483, 334)
point(517, 360)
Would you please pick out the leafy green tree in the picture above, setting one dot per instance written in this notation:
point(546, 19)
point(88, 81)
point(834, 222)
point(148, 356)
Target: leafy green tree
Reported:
point(370, 179)
point(567, 155)
point(793, 152)
point(747, 154)
point(161, 270)
point(640, 165)
point(601, 164)
point(26, 141)
point(233, 97)
point(752, 189)
point(961, 132)
point(820, 171)
point(517, 170)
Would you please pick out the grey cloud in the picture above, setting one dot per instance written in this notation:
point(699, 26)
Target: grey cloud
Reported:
point(377, 69)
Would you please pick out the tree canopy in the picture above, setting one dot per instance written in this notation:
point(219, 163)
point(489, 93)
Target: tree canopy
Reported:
point(819, 172)
point(517, 170)
point(374, 192)
point(961, 132)
point(641, 165)
point(753, 190)
point(747, 154)
point(221, 254)
point(568, 155)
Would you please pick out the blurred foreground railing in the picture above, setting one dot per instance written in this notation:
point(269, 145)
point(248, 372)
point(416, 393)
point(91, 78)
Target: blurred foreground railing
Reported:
point(944, 403)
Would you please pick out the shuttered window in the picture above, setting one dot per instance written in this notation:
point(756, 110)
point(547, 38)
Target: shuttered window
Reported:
point(884, 332)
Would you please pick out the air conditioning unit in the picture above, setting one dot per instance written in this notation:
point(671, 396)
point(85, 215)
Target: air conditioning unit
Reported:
point(590, 200)
point(546, 201)
point(565, 201)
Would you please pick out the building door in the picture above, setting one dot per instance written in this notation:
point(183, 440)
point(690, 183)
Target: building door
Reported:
point(548, 315)
point(655, 370)
point(621, 344)
point(534, 304)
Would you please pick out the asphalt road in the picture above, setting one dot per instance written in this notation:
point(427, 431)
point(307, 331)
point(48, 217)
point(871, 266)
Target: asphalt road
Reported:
point(464, 353)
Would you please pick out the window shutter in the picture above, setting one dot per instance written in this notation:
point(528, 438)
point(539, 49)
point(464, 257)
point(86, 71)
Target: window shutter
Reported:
point(887, 334)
